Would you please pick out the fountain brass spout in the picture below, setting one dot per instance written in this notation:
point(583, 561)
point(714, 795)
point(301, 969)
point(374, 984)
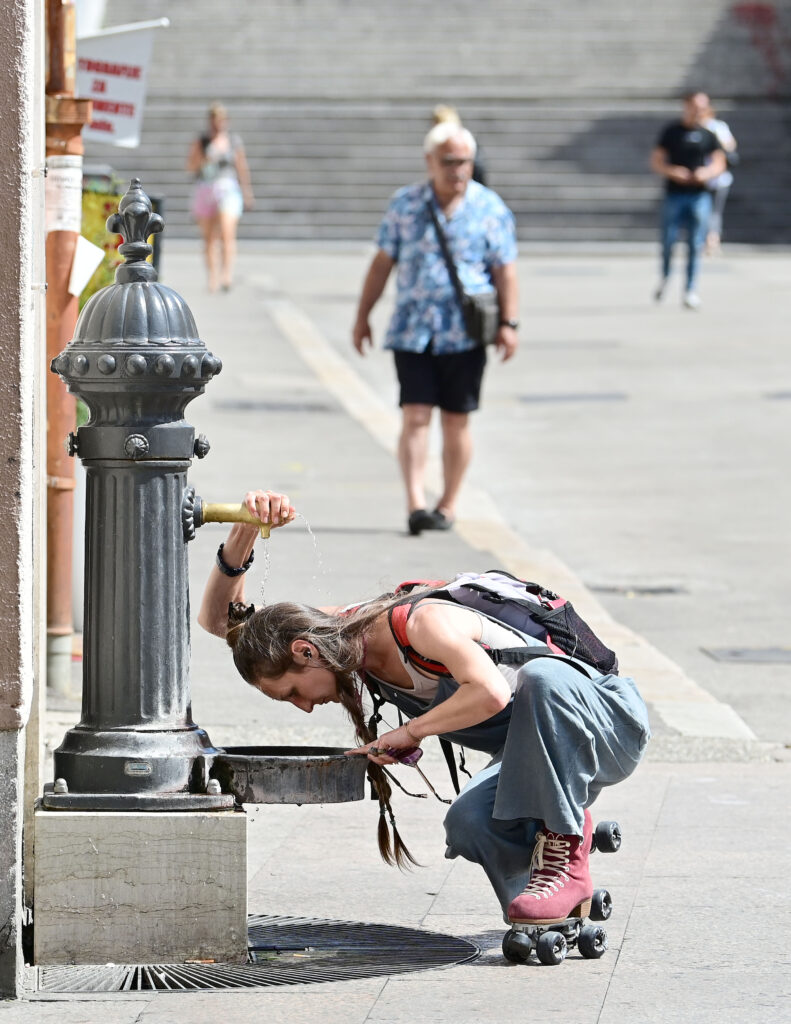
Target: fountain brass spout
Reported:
point(212, 512)
point(195, 512)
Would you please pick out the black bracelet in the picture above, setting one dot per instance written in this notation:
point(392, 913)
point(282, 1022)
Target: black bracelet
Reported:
point(226, 569)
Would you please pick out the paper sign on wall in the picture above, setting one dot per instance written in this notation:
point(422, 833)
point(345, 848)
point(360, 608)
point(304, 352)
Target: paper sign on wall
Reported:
point(63, 193)
point(111, 71)
point(87, 258)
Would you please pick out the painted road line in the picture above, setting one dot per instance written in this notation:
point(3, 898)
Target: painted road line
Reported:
point(682, 704)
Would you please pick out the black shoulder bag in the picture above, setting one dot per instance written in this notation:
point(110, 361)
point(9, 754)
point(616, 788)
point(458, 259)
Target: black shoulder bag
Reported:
point(481, 312)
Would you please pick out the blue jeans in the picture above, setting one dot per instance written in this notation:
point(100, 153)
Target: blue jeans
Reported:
point(691, 211)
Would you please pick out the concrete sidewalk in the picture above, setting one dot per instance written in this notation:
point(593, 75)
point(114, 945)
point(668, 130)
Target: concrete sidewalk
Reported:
point(700, 927)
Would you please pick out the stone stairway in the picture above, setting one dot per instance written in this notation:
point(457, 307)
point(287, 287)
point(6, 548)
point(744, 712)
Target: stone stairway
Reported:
point(332, 99)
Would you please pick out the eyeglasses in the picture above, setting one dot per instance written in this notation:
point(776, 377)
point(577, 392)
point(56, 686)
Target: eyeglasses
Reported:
point(456, 161)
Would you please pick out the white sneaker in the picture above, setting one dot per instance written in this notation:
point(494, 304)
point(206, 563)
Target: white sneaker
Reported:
point(692, 300)
point(659, 294)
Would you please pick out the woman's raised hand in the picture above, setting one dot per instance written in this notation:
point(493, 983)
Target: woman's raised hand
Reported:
point(270, 507)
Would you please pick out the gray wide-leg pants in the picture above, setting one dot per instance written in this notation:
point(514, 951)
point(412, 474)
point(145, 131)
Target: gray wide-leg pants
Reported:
point(569, 737)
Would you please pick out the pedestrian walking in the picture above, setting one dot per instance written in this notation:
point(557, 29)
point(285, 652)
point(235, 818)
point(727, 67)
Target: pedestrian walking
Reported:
point(720, 185)
point(454, 243)
point(558, 726)
point(687, 156)
point(222, 191)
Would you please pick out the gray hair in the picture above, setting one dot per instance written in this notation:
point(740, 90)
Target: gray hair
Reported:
point(444, 132)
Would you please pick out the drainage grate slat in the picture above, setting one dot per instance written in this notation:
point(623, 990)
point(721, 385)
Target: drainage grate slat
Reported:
point(302, 951)
point(750, 655)
point(582, 396)
point(273, 405)
point(569, 344)
point(637, 589)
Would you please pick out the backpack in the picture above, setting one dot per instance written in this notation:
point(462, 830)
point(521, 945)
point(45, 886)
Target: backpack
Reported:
point(527, 607)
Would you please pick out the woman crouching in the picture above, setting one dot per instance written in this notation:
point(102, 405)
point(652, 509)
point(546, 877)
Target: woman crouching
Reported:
point(557, 730)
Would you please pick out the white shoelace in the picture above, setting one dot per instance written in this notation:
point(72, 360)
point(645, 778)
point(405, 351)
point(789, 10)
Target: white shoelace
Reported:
point(548, 866)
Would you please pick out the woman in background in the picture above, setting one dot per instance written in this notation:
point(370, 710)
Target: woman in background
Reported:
point(222, 192)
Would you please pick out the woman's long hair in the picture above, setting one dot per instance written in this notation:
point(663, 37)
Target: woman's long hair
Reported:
point(261, 644)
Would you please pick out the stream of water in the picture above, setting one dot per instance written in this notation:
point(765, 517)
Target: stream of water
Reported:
point(320, 572)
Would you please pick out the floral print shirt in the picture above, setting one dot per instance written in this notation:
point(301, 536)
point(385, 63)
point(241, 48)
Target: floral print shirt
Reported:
point(481, 234)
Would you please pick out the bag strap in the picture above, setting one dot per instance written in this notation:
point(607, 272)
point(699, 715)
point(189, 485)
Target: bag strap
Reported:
point(450, 760)
point(443, 244)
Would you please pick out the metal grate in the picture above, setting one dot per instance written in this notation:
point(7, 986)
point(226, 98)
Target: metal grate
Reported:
point(637, 589)
point(593, 396)
point(751, 655)
point(575, 343)
point(282, 951)
point(273, 405)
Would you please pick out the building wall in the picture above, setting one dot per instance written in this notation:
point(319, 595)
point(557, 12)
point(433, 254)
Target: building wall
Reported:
point(21, 260)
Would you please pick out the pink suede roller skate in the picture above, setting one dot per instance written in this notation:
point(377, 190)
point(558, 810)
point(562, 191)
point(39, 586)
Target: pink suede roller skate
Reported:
point(560, 883)
point(548, 917)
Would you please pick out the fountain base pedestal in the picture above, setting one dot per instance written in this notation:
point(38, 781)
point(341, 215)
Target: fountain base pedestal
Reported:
point(140, 887)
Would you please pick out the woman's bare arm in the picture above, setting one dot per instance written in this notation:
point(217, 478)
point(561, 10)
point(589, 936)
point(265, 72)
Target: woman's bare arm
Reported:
point(243, 173)
point(269, 507)
point(449, 635)
point(195, 159)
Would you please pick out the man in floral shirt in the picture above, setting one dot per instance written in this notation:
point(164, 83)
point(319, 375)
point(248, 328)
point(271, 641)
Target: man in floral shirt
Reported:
point(436, 362)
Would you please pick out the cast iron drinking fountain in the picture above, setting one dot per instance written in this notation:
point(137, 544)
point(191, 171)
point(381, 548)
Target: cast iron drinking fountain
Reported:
point(136, 361)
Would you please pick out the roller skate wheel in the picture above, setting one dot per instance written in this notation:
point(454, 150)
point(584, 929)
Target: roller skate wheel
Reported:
point(601, 905)
point(517, 947)
point(607, 837)
point(592, 942)
point(551, 948)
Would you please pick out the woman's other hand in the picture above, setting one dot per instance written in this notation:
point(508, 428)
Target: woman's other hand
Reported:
point(398, 739)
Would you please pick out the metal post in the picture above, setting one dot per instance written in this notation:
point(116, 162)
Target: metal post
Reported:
point(136, 361)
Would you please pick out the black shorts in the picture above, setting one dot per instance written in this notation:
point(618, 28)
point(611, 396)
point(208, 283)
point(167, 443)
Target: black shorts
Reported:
point(451, 381)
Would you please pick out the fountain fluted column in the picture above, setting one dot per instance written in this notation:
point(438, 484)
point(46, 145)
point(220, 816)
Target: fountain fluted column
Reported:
point(136, 361)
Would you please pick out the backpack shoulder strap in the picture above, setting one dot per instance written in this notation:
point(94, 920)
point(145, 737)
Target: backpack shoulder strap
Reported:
point(409, 585)
point(397, 617)
point(450, 760)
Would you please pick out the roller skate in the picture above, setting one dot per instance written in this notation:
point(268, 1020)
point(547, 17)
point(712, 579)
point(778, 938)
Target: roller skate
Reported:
point(547, 918)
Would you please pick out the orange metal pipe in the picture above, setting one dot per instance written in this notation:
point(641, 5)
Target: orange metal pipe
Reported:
point(61, 420)
point(65, 117)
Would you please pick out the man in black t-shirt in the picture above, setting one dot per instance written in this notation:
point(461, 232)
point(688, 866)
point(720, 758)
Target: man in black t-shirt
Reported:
point(686, 156)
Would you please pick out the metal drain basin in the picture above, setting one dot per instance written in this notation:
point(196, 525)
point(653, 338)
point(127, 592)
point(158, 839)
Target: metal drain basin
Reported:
point(283, 951)
point(290, 775)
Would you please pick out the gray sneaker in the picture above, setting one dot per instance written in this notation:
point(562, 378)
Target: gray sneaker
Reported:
point(691, 300)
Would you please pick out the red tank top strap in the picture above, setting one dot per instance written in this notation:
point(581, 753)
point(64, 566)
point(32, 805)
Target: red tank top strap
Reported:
point(398, 617)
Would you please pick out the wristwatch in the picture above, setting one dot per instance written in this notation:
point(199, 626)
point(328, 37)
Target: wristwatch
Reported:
point(510, 323)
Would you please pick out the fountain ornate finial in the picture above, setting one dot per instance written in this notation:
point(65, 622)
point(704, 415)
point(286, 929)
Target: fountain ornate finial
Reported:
point(135, 222)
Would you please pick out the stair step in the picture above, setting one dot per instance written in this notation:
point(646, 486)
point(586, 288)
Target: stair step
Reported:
point(566, 97)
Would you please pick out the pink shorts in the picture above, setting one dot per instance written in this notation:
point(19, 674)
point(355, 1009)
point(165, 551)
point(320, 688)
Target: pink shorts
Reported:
point(211, 198)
